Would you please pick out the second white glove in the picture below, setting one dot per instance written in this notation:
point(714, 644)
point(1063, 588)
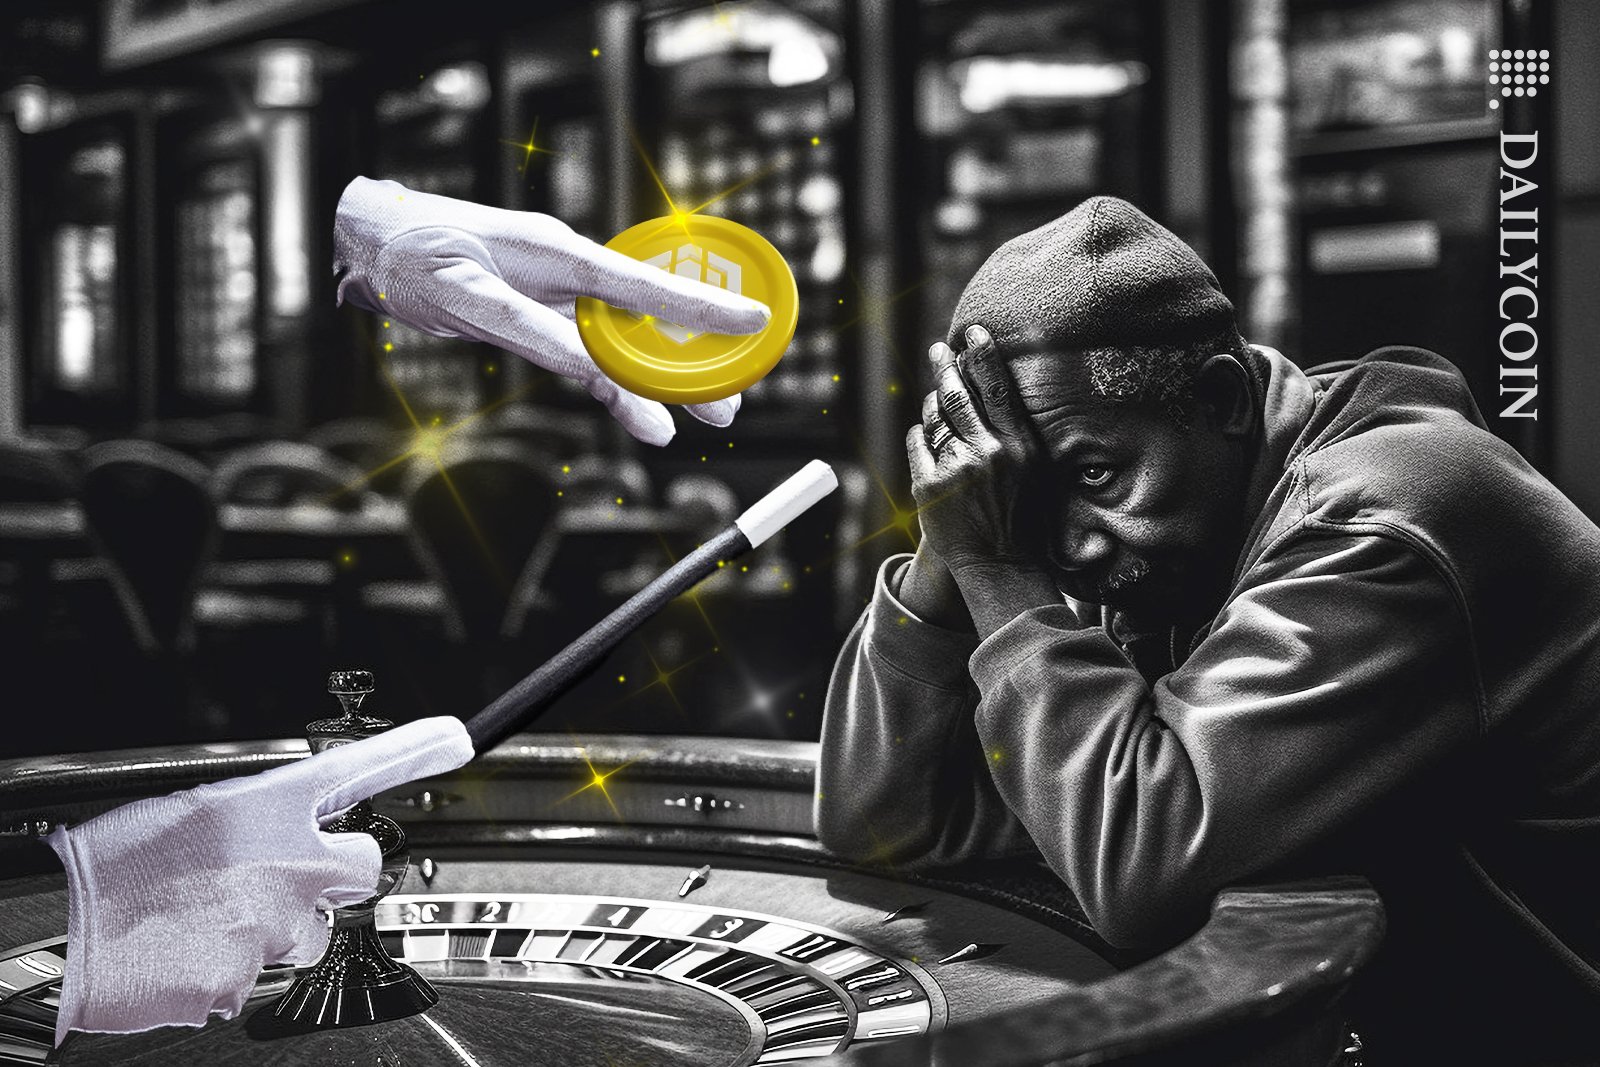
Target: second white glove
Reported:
point(175, 903)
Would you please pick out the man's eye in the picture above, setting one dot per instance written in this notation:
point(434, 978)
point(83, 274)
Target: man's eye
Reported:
point(1094, 477)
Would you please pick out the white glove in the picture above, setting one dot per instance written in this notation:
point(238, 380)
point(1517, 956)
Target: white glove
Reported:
point(458, 269)
point(175, 903)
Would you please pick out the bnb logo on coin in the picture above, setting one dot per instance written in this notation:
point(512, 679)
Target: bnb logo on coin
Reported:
point(692, 261)
point(664, 361)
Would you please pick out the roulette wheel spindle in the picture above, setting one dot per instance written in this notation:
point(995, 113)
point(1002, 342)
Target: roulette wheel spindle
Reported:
point(356, 982)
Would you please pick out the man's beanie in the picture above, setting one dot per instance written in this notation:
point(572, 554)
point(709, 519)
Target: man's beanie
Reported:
point(1105, 274)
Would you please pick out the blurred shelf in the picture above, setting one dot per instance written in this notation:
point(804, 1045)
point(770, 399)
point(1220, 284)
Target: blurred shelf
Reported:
point(1333, 142)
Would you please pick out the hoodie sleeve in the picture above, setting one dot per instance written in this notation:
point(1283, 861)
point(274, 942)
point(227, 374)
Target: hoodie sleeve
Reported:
point(903, 778)
point(1341, 668)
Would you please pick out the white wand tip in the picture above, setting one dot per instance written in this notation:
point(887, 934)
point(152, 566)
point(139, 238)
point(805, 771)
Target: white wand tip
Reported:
point(781, 506)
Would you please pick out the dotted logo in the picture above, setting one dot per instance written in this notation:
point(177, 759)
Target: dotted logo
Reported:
point(1518, 71)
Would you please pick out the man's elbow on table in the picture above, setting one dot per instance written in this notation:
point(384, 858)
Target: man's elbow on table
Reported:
point(1135, 906)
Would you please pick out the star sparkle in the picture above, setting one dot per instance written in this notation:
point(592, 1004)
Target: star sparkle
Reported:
point(530, 148)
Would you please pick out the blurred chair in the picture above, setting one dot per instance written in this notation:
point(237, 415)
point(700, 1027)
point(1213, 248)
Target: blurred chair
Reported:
point(703, 495)
point(284, 473)
point(477, 518)
point(560, 434)
point(152, 512)
point(600, 480)
point(371, 444)
point(289, 581)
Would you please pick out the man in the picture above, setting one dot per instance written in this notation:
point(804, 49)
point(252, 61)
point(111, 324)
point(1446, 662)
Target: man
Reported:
point(1184, 616)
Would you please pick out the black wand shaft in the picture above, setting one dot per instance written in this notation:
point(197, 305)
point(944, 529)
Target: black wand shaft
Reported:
point(517, 707)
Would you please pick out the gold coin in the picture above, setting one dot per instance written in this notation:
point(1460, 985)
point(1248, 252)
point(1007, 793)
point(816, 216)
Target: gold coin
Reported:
point(664, 361)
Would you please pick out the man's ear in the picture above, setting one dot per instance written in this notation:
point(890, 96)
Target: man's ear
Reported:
point(1222, 388)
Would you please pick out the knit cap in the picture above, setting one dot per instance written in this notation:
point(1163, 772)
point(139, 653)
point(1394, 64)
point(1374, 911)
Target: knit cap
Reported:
point(1103, 274)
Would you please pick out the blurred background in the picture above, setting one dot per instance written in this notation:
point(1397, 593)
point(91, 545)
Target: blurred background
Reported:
point(215, 485)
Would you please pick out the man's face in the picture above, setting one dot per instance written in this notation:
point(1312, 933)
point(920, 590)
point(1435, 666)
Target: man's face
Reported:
point(1142, 514)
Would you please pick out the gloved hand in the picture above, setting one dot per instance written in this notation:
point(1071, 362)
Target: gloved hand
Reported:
point(175, 903)
point(453, 268)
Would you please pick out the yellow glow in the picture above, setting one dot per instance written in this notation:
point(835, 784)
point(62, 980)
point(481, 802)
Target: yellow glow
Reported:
point(388, 346)
point(595, 52)
point(816, 140)
point(622, 678)
point(428, 442)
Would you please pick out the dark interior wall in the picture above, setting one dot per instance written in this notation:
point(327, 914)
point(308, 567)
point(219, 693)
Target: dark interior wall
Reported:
point(1576, 297)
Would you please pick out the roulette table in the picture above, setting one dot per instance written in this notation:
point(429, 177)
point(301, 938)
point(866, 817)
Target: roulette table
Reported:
point(609, 901)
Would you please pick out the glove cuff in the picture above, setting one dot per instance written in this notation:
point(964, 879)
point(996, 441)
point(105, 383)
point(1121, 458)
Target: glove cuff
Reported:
point(368, 217)
point(74, 985)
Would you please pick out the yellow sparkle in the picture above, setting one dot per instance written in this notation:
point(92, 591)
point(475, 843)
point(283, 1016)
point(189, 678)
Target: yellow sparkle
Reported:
point(619, 500)
point(841, 300)
point(894, 387)
point(489, 368)
point(383, 296)
point(722, 563)
point(429, 441)
point(786, 585)
point(743, 570)
point(595, 52)
point(388, 346)
point(347, 558)
point(598, 779)
point(702, 459)
point(835, 377)
point(824, 411)
point(789, 713)
point(816, 140)
point(997, 756)
point(902, 620)
point(622, 678)
point(560, 493)
point(730, 444)
point(566, 468)
point(385, 324)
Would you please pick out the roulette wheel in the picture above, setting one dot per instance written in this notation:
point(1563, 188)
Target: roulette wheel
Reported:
point(657, 900)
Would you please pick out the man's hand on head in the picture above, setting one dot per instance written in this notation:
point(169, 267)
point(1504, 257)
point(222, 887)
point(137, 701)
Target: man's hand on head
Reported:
point(974, 475)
